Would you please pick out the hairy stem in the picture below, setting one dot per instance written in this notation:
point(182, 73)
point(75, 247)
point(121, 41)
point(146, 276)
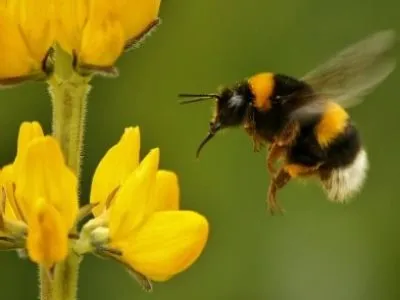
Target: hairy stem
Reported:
point(69, 108)
point(69, 96)
point(65, 282)
point(45, 284)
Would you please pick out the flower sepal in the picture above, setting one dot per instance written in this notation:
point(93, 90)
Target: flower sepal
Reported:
point(13, 234)
point(14, 228)
point(94, 238)
point(88, 70)
point(8, 243)
point(84, 212)
point(115, 255)
point(138, 40)
point(93, 234)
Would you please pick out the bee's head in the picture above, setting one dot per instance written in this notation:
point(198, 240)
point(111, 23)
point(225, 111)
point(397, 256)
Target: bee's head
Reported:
point(230, 110)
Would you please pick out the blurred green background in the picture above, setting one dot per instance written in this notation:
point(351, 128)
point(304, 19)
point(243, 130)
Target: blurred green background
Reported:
point(318, 250)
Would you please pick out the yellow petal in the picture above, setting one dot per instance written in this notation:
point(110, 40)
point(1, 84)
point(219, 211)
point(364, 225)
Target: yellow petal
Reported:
point(10, 213)
point(167, 244)
point(7, 191)
point(28, 131)
point(7, 184)
point(17, 61)
point(35, 18)
point(70, 22)
point(167, 191)
point(131, 205)
point(103, 36)
point(47, 240)
point(43, 174)
point(137, 15)
point(114, 168)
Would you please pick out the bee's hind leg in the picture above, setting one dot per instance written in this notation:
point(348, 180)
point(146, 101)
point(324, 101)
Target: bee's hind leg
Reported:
point(287, 172)
point(278, 182)
point(274, 153)
point(281, 143)
point(288, 134)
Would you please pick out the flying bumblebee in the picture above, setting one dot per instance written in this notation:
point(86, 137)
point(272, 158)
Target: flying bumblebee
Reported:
point(304, 121)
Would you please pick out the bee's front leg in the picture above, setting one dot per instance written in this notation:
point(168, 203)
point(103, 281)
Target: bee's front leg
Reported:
point(251, 131)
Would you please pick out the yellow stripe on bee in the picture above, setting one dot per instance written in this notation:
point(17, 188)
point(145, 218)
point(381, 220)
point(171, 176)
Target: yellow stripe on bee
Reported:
point(262, 86)
point(295, 170)
point(332, 124)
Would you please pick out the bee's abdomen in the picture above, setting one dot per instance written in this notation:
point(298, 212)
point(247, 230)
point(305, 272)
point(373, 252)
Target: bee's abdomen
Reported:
point(345, 169)
point(344, 148)
point(332, 123)
point(330, 139)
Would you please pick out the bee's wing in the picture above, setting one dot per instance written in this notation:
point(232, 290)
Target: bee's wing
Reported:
point(349, 75)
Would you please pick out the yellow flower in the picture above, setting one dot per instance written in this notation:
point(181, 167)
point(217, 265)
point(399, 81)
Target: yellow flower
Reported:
point(140, 204)
point(167, 190)
point(42, 193)
point(28, 132)
point(98, 30)
point(115, 167)
point(27, 36)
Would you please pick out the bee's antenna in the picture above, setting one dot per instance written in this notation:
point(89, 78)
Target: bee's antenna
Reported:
point(197, 97)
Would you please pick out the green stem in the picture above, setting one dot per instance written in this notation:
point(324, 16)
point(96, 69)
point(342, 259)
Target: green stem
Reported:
point(69, 95)
point(69, 108)
point(45, 284)
point(69, 92)
point(65, 282)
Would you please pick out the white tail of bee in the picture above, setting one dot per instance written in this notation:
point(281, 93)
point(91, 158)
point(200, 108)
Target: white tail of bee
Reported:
point(343, 183)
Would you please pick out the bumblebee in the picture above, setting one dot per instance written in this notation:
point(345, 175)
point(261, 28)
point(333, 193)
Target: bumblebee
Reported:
point(304, 121)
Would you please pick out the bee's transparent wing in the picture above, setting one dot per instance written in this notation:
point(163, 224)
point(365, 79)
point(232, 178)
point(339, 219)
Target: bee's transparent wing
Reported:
point(350, 75)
